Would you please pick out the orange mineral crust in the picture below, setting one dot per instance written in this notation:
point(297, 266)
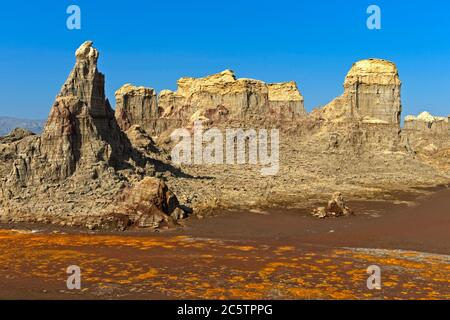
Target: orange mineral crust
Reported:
point(174, 267)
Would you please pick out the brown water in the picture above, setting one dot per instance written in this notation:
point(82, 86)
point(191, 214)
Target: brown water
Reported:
point(278, 254)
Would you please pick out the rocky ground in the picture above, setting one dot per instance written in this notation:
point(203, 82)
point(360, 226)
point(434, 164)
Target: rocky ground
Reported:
point(310, 172)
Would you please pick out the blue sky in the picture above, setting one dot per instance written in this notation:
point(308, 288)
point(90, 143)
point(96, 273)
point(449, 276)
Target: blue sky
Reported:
point(153, 43)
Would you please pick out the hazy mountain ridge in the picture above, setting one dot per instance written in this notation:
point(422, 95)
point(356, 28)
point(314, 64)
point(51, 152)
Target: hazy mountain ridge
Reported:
point(7, 124)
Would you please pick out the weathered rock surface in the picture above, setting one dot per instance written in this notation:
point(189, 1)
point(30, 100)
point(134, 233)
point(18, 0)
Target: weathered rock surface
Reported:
point(285, 101)
point(371, 95)
point(223, 95)
point(80, 131)
point(238, 97)
point(373, 87)
point(148, 204)
point(216, 98)
point(367, 115)
point(81, 128)
point(136, 106)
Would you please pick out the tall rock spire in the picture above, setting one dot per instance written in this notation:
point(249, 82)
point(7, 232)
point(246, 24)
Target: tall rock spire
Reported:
point(85, 82)
point(81, 127)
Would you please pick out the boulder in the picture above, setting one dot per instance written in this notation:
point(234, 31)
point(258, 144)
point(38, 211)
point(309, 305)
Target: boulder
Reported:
point(320, 212)
point(336, 207)
point(139, 138)
point(149, 203)
point(116, 221)
point(178, 214)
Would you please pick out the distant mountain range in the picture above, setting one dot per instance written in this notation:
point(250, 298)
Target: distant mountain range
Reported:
point(7, 124)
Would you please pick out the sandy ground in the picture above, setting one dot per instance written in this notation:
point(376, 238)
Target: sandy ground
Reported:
point(272, 254)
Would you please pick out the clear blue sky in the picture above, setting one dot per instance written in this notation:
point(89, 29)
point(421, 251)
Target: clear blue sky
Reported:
point(153, 43)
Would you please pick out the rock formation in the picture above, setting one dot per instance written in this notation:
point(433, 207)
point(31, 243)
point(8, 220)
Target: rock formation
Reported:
point(285, 100)
point(216, 98)
point(217, 95)
point(81, 128)
point(96, 168)
point(373, 88)
point(80, 132)
point(136, 106)
point(371, 95)
point(367, 115)
point(81, 148)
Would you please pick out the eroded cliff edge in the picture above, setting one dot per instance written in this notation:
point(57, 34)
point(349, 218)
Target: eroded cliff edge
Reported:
point(101, 168)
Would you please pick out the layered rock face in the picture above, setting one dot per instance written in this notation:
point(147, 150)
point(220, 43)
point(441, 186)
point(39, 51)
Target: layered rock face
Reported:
point(368, 112)
point(136, 106)
point(223, 96)
point(285, 100)
point(371, 95)
point(216, 98)
point(373, 89)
